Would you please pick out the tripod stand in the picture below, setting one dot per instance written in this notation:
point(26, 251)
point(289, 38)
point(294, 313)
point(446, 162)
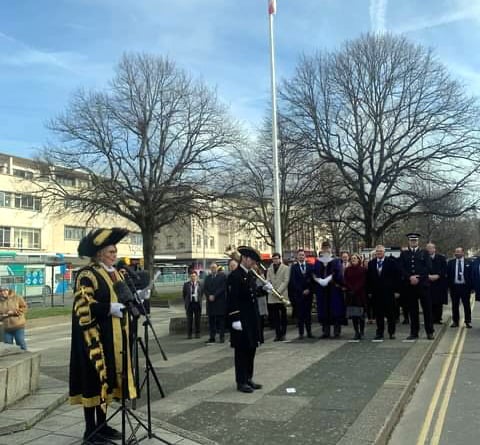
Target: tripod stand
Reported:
point(127, 414)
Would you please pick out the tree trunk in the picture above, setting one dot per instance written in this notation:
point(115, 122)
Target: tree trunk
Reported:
point(148, 249)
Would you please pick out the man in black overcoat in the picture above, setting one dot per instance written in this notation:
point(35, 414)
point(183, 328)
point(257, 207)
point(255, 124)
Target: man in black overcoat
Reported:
point(244, 318)
point(416, 266)
point(214, 289)
point(382, 284)
point(438, 283)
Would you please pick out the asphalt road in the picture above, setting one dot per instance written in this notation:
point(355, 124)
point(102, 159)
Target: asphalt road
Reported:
point(445, 409)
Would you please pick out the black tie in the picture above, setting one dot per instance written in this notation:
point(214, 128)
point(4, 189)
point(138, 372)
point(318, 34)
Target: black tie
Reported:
point(459, 273)
point(302, 267)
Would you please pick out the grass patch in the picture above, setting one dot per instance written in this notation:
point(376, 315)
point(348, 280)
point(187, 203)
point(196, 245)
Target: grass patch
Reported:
point(41, 312)
point(159, 295)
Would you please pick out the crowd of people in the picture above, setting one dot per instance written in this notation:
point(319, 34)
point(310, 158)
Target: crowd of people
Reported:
point(383, 290)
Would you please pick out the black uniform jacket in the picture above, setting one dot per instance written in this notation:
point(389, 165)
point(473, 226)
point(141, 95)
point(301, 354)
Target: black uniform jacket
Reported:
point(242, 306)
point(416, 262)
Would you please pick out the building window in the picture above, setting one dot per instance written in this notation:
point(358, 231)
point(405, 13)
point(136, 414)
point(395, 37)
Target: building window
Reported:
point(199, 240)
point(28, 202)
point(26, 238)
point(5, 199)
point(73, 233)
point(65, 180)
point(212, 242)
point(26, 174)
point(5, 236)
point(169, 242)
point(136, 238)
point(181, 245)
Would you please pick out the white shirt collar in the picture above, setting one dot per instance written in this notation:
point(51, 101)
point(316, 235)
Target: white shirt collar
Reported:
point(108, 269)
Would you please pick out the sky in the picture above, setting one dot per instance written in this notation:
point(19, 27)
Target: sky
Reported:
point(51, 48)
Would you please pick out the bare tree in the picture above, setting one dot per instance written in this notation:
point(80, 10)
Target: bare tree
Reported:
point(387, 115)
point(252, 173)
point(147, 145)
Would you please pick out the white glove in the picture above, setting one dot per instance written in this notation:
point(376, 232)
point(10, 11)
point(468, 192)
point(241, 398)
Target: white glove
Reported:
point(237, 325)
point(268, 287)
point(116, 310)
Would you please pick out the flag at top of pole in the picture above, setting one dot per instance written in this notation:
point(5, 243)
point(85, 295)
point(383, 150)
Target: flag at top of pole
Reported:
point(272, 6)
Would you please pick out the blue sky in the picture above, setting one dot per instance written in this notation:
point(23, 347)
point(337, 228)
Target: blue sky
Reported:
point(49, 48)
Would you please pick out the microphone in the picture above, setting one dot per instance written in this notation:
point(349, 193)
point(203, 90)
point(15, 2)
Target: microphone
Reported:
point(125, 296)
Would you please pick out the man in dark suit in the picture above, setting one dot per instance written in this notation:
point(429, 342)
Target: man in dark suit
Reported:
point(244, 319)
point(416, 266)
point(459, 272)
point(382, 283)
point(476, 277)
point(438, 283)
point(192, 297)
point(300, 290)
point(214, 289)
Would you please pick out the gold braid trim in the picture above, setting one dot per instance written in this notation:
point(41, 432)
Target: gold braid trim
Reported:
point(91, 334)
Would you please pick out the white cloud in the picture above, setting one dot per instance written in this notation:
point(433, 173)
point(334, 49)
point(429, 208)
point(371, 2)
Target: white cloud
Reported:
point(18, 54)
point(460, 10)
point(378, 15)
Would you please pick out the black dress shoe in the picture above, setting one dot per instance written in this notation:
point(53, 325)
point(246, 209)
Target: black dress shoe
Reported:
point(454, 325)
point(430, 337)
point(245, 388)
point(110, 433)
point(378, 337)
point(222, 339)
point(210, 340)
point(96, 439)
point(412, 337)
point(276, 339)
point(310, 335)
point(392, 337)
point(468, 325)
point(325, 336)
point(197, 335)
point(300, 337)
point(254, 385)
point(357, 336)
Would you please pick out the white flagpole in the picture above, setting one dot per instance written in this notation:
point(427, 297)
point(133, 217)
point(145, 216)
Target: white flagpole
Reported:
point(276, 177)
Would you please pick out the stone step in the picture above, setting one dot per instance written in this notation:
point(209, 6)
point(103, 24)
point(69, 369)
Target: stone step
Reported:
point(25, 413)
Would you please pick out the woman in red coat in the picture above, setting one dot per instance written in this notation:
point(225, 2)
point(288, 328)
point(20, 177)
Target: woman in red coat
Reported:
point(355, 281)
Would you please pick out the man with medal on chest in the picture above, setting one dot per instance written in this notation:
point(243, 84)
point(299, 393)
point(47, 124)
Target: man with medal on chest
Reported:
point(416, 266)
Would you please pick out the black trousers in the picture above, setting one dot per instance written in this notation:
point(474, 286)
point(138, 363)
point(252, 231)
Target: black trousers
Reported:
point(304, 313)
point(244, 364)
point(216, 323)
point(460, 292)
point(384, 307)
point(359, 324)
point(278, 311)
point(194, 311)
point(437, 312)
point(415, 294)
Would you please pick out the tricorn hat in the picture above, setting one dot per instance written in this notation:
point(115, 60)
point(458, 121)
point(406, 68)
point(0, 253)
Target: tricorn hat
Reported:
point(97, 239)
point(250, 252)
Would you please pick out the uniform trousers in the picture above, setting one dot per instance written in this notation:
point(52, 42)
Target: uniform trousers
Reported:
point(244, 364)
point(414, 294)
point(460, 292)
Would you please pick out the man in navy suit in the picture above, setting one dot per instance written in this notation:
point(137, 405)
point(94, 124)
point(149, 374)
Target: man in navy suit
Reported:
point(382, 282)
point(192, 298)
point(459, 273)
point(476, 277)
point(301, 292)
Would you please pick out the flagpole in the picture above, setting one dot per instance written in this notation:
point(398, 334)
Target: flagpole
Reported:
point(276, 178)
